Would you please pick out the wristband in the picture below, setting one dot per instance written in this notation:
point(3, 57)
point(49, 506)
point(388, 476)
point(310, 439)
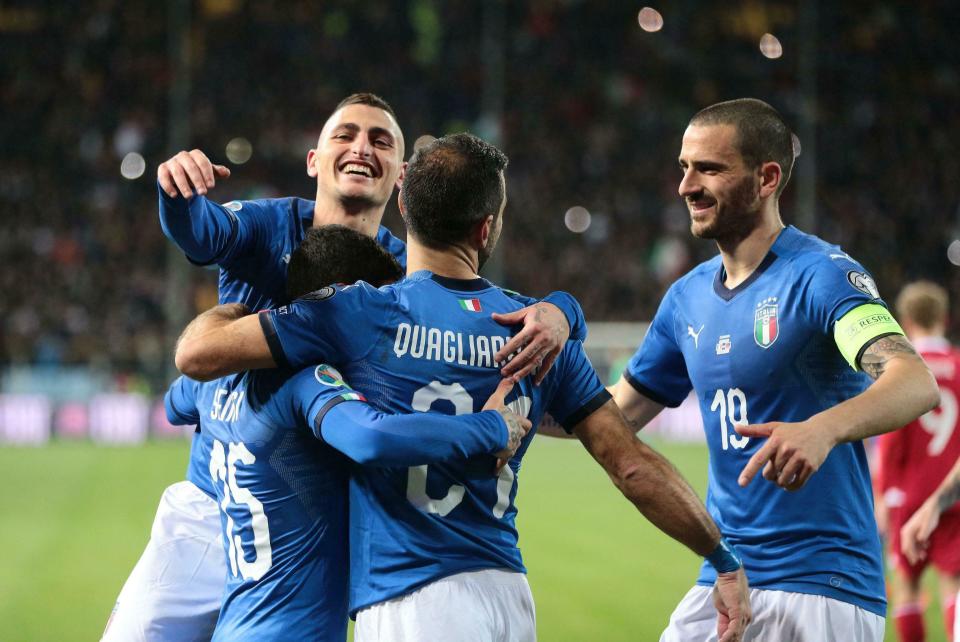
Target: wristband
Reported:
point(724, 559)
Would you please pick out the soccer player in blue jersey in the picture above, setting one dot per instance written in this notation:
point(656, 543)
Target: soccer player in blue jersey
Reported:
point(175, 589)
point(434, 552)
point(779, 337)
point(283, 493)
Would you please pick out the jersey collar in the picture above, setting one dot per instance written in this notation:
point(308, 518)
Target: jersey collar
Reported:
point(461, 285)
point(726, 293)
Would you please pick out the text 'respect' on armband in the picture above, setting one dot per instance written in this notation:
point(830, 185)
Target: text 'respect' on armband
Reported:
point(861, 325)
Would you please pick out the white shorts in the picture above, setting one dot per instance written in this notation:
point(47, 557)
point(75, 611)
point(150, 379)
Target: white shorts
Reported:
point(175, 590)
point(492, 605)
point(778, 616)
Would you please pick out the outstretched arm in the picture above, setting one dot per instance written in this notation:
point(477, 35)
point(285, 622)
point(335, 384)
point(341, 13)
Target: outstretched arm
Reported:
point(223, 340)
point(904, 389)
point(374, 438)
point(915, 534)
point(663, 496)
point(199, 227)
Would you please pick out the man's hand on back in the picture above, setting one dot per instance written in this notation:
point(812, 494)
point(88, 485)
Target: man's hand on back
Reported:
point(189, 172)
point(545, 331)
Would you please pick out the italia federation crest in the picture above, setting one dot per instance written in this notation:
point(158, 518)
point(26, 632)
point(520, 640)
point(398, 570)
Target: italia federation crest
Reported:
point(766, 325)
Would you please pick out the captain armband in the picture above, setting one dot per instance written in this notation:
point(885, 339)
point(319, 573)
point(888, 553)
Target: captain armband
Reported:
point(859, 327)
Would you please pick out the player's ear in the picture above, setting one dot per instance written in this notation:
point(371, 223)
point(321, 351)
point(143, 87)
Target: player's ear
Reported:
point(400, 176)
point(770, 177)
point(311, 164)
point(483, 230)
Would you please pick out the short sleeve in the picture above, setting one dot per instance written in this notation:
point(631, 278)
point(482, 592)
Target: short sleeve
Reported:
point(658, 370)
point(579, 390)
point(332, 324)
point(180, 402)
point(837, 284)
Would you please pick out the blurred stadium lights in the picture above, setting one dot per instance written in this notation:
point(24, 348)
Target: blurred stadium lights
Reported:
point(650, 19)
point(953, 252)
point(239, 150)
point(577, 219)
point(770, 46)
point(132, 166)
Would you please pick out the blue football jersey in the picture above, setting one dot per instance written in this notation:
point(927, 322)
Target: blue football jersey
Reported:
point(251, 242)
point(428, 343)
point(760, 352)
point(283, 500)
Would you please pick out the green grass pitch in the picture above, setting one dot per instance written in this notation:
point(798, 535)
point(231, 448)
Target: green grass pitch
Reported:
point(74, 518)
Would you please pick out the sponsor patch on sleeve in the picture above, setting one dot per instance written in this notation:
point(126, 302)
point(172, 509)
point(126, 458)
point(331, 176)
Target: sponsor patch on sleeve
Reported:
point(860, 326)
point(320, 295)
point(864, 283)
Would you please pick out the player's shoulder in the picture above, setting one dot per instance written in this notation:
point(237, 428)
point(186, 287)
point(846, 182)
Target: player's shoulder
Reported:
point(701, 276)
point(286, 207)
point(807, 251)
point(341, 293)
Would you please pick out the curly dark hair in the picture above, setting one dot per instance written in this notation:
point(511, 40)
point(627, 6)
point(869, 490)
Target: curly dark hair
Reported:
point(336, 254)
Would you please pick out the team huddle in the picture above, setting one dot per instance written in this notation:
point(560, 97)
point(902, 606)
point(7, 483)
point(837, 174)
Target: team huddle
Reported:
point(363, 405)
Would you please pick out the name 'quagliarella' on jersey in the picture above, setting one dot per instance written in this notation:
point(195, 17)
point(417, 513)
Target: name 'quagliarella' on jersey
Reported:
point(434, 344)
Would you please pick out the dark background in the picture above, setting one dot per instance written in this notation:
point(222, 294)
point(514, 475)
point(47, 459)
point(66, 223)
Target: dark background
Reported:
point(589, 107)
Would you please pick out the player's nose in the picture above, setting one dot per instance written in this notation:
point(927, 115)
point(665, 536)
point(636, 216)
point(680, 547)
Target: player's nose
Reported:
point(361, 146)
point(688, 184)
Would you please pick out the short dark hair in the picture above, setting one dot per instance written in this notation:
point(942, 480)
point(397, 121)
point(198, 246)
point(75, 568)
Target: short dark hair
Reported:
point(337, 254)
point(366, 98)
point(762, 134)
point(451, 184)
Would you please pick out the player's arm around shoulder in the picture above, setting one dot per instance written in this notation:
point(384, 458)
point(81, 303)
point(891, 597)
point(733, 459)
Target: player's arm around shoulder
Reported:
point(547, 326)
point(223, 340)
point(658, 491)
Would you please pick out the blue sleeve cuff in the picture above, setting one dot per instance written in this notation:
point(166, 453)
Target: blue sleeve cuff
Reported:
point(570, 421)
point(273, 341)
point(648, 393)
point(572, 310)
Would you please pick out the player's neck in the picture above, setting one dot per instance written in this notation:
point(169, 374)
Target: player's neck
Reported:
point(454, 261)
point(362, 217)
point(740, 258)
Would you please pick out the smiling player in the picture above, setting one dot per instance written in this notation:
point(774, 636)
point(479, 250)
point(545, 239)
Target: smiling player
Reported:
point(175, 590)
point(780, 327)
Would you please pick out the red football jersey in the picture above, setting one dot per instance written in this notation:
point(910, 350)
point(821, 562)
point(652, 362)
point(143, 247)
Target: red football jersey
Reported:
point(915, 459)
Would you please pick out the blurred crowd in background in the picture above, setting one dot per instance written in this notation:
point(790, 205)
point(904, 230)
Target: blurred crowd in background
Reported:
point(589, 107)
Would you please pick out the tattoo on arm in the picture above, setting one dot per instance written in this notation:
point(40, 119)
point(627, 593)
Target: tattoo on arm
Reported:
point(876, 357)
point(515, 430)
